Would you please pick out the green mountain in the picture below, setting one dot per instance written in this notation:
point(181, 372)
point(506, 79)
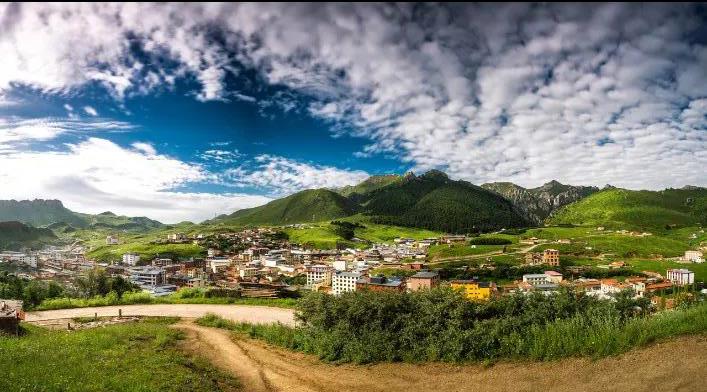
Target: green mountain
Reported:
point(313, 205)
point(537, 204)
point(431, 201)
point(15, 235)
point(53, 214)
point(357, 192)
point(637, 210)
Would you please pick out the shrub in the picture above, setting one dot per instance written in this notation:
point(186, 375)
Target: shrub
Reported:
point(490, 241)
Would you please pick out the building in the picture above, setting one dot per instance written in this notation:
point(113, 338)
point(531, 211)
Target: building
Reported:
point(339, 265)
point(680, 276)
point(342, 282)
point(536, 279)
point(423, 280)
point(147, 276)
point(553, 277)
point(474, 290)
point(248, 273)
point(694, 256)
point(452, 239)
point(380, 283)
point(551, 257)
point(131, 259)
point(533, 258)
point(176, 237)
point(319, 274)
point(10, 315)
point(111, 240)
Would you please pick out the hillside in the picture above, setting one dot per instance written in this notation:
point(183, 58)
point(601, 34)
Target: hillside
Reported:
point(433, 201)
point(357, 192)
point(15, 235)
point(53, 214)
point(639, 210)
point(313, 205)
point(537, 204)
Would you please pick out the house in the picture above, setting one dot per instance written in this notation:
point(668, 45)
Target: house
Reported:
point(423, 280)
point(536, 279)
point(342, 282)
point(533, 258)
point(588, 286)
point(147, 276)
point(319, 274)
point(474, 290)
point(653, 287)
point(694, 256)
point(610, 287)
point(339, 265)
point(111, 240)
point(131, 259)
point(680, 277)
point(551, 257)
point(176, 237)
point(553, 277)
point(452, 239)
point(380, 283)
point(414, 266)
point(247, 273)
point(10, 315)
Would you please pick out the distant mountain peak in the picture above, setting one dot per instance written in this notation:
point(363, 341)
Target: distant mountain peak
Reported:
point(435, 174)
point(107, 213)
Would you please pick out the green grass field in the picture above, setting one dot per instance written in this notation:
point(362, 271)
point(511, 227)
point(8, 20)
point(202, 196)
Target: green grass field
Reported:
point(443, 251)
point(321, 235)
point(140, 356)
point(145, 250)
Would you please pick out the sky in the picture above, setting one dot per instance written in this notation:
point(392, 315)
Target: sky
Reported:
point(186, 111)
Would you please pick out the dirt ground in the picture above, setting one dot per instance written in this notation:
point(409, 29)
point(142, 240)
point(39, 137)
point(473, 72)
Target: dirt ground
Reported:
point(245, 313)
point(676, 365)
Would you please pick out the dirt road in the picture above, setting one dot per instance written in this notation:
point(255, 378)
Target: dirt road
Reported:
point(677, 365)
point(245, 313)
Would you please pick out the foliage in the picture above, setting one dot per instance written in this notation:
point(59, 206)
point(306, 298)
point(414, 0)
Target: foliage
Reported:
point(129, 357)
point(490, 241)
point(31, 292)
point(16, 235)
point(441, 325)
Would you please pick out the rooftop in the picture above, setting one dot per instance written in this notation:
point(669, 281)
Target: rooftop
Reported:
point(425, 275)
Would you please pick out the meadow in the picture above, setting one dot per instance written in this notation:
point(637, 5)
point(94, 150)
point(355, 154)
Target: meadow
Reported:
point(141, 356)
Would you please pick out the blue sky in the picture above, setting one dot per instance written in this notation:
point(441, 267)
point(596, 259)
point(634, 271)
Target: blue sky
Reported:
point(184, 111)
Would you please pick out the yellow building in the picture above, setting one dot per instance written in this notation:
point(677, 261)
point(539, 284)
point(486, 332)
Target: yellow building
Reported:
point(474, 290)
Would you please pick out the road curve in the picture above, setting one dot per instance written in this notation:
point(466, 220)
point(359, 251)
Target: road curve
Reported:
point(239, 313)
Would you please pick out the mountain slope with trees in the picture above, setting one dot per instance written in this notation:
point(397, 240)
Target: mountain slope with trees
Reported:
point(16, 235)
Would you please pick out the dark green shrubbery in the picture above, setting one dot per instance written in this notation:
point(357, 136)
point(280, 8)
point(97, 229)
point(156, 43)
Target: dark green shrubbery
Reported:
point(490, 241)
point(441, 325)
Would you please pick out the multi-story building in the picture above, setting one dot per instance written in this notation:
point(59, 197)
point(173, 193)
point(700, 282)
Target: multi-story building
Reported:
point(247, 272)
point(319, 274)
point(474, 290)
point(342, 282)
point(423, 280)
point(111, 240)
point(553, 277)
point(131, 259)
point(147, 276)
point(680, 276)
point(551, 257)
point(536, 279)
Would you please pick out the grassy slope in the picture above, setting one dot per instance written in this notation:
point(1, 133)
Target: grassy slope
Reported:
point(312, 205)
point(634, 210)
point(130, 357)
point(16, 235)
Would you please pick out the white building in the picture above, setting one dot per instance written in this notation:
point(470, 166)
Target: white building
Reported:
point(694, 256)
point(342, 282)
point(536, 279)
point(318, 274)
point(111, 240)
point(680, 276)
point(219, 264)
point(147, 276)
point(30, 260)
point(553, 277)
point(340, 265)
point(131, 259)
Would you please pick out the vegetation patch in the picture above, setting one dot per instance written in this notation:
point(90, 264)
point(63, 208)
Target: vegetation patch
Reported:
point(140, 356)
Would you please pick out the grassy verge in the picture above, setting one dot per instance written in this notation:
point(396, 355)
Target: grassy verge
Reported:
point(133, 357)
point(145, 298)
point(456, 332)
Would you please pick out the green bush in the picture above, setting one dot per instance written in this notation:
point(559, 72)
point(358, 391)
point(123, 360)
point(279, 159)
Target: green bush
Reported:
point(490, 241)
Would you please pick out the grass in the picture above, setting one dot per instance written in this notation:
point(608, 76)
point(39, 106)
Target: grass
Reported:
point(145, 250)
point(140, 356)
point(603, 335)
point(322, 236)
point(184, 296)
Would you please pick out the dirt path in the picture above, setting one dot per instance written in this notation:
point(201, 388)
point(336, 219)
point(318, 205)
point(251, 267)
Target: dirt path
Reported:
point(246, 313)
point(677, 365)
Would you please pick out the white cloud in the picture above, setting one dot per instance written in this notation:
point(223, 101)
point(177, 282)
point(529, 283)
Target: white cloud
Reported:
point(526, 93)
point(98, 175)
point(220, 156)
point(281, 176)
point(90, 111)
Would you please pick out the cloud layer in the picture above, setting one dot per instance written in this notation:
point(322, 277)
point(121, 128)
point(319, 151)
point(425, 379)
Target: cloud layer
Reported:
point(595, 94)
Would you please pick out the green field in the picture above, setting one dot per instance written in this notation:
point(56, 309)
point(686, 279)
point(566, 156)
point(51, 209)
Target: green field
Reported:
point(444, 251)
point(145, 250)
point(140, 356)
point(321, 235)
